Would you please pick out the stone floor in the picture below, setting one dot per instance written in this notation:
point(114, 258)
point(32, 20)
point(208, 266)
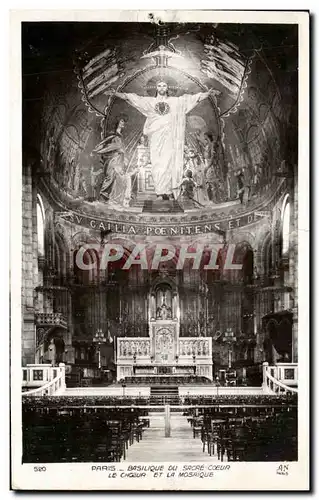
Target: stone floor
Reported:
point(181, 446)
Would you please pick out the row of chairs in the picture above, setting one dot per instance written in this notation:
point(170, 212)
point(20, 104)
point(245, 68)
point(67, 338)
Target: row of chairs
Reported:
point(50, 402)
point(90, 436)
point(263, 436)
point(241, 399)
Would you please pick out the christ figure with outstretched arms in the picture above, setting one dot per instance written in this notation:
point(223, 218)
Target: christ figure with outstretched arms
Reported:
point(165, 129)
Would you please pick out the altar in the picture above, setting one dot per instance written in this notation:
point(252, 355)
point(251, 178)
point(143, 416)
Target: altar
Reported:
point(164, 353)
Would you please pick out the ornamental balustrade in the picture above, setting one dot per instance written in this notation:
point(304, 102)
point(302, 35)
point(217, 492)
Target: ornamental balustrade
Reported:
point(47, 379)
point(281, 378)
point(51, 319)
point(141, 347)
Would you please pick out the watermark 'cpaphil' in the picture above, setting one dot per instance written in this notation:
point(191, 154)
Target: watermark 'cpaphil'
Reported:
point(206, 257)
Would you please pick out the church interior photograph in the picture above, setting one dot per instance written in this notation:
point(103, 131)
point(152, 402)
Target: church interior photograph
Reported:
point(159, 242)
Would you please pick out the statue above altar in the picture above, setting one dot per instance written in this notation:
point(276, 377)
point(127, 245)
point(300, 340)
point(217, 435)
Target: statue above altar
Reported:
point(163, 303)
point(164, 312)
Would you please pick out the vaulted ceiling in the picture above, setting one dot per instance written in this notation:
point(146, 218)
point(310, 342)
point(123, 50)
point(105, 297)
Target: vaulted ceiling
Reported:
point(253, 69)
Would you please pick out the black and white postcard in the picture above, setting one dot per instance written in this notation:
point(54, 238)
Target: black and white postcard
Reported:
point(160, 191)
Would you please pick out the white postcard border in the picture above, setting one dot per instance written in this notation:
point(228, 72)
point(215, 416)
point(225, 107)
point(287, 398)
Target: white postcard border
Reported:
point(241, 475)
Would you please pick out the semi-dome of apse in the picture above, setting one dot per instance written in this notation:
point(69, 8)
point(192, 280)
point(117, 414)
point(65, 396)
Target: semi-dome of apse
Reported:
point(90, 147)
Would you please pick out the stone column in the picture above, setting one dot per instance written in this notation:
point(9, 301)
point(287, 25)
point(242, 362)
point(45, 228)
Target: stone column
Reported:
point(152, 307)
point(174, 306)
point(29, 268)
point(68, 348)
point(293, 269)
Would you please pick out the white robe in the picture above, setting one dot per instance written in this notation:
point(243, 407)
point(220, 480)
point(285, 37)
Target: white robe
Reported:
point(166, 136)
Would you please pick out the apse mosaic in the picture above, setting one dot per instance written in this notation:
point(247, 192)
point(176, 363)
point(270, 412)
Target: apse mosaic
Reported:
point(164, 119)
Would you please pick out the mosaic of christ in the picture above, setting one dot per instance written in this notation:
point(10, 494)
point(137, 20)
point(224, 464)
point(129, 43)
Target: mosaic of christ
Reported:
point(159, 127)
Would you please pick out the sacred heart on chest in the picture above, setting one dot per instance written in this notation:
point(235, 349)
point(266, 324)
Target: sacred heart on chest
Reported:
point(162, 108)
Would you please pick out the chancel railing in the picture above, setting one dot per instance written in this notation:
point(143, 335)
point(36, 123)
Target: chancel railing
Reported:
point(47, 379)
point(280, 378)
